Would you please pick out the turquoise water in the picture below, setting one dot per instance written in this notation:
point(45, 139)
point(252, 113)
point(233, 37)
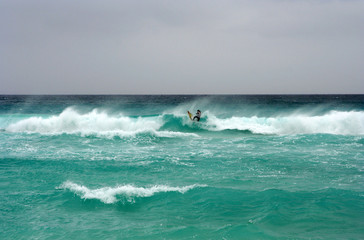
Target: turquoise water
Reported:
point(136, 167)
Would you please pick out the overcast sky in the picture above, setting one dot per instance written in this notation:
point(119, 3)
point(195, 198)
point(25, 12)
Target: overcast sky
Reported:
point(181, 47)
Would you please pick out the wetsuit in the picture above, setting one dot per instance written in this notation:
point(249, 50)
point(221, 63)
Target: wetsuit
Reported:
point(198, 116)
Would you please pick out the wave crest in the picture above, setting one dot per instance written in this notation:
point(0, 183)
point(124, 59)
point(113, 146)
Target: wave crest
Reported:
point(109, 195)
point(101, 124)
point(334, 122)
point(93, 123)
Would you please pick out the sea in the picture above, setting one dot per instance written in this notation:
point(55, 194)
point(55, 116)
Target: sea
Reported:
point(136, 167)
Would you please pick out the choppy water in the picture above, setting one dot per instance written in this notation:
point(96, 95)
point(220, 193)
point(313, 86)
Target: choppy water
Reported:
point(136, 167)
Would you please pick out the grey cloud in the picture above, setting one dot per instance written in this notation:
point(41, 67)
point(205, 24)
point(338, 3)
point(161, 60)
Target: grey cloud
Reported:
point(181, 46)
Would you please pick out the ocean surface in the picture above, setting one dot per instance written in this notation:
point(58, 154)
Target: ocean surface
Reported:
point(136, 167)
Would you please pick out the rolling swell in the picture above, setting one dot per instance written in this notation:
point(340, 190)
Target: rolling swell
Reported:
point(273, 211)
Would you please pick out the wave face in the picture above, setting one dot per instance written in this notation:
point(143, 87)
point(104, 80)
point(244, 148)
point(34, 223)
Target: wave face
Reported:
point(109, 194)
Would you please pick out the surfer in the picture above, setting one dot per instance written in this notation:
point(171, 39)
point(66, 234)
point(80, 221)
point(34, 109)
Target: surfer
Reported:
point(197, 116)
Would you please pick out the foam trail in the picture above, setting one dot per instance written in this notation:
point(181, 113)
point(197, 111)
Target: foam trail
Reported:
point(108, 194)
point(334, 122)
point(170, 134)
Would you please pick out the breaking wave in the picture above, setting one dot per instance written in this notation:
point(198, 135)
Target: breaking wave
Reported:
point(96, 122)
point(102, 124)
point(334, 122)
point(110, 195)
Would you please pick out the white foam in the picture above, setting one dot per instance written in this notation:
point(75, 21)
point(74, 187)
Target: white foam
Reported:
point(129, 192)
point(95, 122)
point(101, 124)
point(174, 134)
point(334, 122)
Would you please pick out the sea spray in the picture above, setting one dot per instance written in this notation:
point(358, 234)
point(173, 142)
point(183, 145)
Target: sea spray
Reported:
point(95, 122)
point(100, 123)
point(334, 122)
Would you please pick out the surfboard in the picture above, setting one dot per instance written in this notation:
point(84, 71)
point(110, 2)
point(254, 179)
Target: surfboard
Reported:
point(189, 114)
